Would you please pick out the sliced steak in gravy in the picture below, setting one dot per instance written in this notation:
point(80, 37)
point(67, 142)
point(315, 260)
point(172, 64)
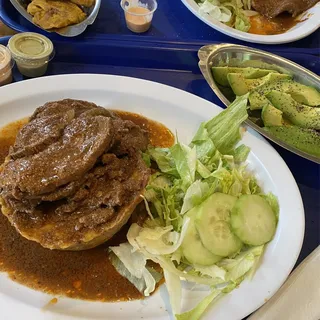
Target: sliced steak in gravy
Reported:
point(128, 137)
point(82, 142)
point(62, 106)
point(272, 8)
point(74, 175)
point(39, 133)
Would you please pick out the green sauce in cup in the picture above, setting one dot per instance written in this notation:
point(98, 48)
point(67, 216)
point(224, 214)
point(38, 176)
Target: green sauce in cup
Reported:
point(32, 53)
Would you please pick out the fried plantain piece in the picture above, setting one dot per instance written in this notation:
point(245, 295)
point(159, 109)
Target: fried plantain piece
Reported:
point(53, 14)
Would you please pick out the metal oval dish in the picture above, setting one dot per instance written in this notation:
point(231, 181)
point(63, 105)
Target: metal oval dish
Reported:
point(71, 31)
point(236, 55)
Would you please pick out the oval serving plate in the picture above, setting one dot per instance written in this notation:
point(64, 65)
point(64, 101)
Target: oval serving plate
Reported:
point(236, 55)
point(175, 109)
point(71, 31)
point(310, 22)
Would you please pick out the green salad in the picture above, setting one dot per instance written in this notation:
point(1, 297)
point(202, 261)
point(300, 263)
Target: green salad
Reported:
point(209, 219)
point(234, 13)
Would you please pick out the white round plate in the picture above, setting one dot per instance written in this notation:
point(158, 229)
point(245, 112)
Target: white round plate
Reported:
point(310, 22)
point(181, 112)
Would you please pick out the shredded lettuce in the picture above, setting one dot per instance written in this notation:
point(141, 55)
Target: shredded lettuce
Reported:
point(156, 241)
point(242, 23)
point(214, 9)
point(234, 13)
point(189, 174)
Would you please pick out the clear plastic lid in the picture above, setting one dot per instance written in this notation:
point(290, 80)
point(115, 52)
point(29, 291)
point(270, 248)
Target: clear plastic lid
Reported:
point(31, 48)
point(6, 61)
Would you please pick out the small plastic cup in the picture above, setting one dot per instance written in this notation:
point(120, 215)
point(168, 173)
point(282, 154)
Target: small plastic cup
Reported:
point(6, 65)
point(31, 52)
point(138, 14)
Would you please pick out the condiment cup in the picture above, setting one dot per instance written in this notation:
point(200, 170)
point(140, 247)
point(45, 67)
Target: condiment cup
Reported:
point(6, 65)
point(138, 14)
point(32, 53)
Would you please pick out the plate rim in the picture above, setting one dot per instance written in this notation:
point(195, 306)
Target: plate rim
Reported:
point(70, 81)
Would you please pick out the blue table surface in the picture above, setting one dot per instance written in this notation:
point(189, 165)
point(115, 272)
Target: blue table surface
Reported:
point(177, 66)
point(173, 23)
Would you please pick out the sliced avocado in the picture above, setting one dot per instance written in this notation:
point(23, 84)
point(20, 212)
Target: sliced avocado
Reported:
point(310, 98)
point(220, 73)
point(307, 140)
point(298, 91)
point(257, 100)
point(298, 114)
point(271, 116)
point(259, 64)
point(240, 85)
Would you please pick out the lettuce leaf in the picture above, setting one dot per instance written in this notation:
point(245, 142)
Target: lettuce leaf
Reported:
point(205, 147)
point(197, 311)
point(174, 288)
point(212, 271)
point(215, 10)
point(188, 275)
point(273, 202)
point(241, 264)
point(135, 262)
point(133, 267)
point(185, 159)
point(164, 160)
point(156, 241)
point(241, 153)
point(146, 158)
point(195, 195)
point(224, 130)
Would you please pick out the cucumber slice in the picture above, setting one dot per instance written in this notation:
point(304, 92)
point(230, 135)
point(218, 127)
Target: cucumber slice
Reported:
point(212, 225)
point(193, 249)
point(218, 238)
point(217, 207)
point(253, 220)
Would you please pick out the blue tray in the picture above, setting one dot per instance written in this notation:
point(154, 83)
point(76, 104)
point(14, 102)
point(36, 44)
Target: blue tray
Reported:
point(178, 67)
point(172, 23)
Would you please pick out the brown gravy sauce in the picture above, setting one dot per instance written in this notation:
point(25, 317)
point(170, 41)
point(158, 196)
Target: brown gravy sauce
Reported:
point(79, 274)
point(265, 26)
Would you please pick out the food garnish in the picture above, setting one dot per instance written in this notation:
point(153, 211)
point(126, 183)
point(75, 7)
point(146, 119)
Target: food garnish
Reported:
point(209, 219)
